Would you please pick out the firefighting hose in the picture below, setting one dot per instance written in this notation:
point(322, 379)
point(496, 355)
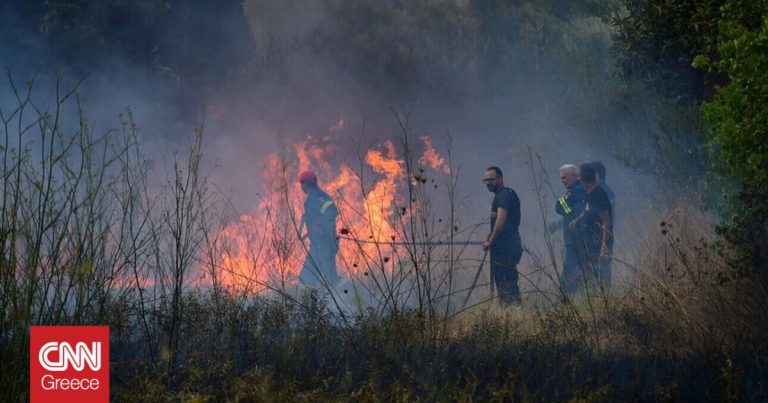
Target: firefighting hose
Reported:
point(437, 243)
point(414, 243)
point(474, 282)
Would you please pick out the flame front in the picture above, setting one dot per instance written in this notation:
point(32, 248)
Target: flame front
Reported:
point(262, 251)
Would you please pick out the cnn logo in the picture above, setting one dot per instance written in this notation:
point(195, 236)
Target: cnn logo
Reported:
point(66, 363)
point(78, 356)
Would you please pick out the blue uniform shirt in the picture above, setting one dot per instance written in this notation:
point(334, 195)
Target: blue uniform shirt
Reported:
point(570, 206)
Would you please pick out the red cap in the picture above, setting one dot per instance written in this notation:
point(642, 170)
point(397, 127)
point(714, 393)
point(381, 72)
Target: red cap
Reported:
point(308, 176)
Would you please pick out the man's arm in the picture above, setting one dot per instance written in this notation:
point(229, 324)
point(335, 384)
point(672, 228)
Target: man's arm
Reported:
point(501, 220)
point(605, 218)
point(563, 204)
point(572, 225)
point(559, 206)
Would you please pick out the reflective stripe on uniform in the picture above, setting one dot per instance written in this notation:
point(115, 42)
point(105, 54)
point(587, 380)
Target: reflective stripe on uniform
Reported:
point(564, 205)
point(325, 206)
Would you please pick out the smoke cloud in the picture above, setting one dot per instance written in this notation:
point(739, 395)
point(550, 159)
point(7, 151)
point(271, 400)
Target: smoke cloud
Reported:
point(507, 81)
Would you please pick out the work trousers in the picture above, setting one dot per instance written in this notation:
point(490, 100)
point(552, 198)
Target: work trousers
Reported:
point(575, 258)
point(504, 275)
point(597, 270)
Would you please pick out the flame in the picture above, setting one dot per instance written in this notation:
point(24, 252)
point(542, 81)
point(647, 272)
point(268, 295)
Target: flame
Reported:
point(261, 250)
point(370, 228)
point(431, 158)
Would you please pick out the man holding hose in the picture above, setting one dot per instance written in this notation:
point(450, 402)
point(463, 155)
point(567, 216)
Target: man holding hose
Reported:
point(504, 240)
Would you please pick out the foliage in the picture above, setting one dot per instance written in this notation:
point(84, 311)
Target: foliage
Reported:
point(83, 240)
point(650, 134)
point(435, 47)
point(654, 43)
point(656, 40)
point(174, 39)
point(439, 45)
point(739, 118)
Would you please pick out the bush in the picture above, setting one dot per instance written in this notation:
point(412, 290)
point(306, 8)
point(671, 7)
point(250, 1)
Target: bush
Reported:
point(739, 119)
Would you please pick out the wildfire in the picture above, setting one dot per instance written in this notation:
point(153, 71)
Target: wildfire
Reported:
point(262, 249)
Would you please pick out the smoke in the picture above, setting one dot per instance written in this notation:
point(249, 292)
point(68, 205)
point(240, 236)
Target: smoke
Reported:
point(505, 80)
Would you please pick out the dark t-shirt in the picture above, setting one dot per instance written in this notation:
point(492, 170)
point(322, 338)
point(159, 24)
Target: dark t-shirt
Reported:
point(597, 201)
point(509, 239)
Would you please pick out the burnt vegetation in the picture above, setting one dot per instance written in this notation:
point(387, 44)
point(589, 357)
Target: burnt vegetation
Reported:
point(90, 236)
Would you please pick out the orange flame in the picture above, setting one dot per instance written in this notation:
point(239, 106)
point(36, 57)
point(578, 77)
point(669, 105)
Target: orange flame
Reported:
point(431, 158)
point(262, 250)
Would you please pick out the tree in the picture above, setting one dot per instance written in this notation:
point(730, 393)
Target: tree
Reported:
point(739, 118)
point(654, 44)
point(656, 40)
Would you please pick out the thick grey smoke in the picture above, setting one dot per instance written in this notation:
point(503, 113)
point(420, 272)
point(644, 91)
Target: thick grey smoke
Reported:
point(506, 81)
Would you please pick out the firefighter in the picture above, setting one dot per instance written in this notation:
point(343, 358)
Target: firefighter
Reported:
point(504, 241)
point(570, 206)
point(319, 218)
point(597, 219)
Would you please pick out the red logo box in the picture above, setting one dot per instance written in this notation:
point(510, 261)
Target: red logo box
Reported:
point(69, 364)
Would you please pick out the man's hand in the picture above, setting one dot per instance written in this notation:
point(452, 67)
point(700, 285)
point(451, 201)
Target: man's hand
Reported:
point(486, 245)
point(572, 225)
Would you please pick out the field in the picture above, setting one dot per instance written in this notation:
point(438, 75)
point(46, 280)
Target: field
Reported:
point(87, 240)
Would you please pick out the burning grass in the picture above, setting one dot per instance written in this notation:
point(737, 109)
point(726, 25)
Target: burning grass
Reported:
point(641, 343)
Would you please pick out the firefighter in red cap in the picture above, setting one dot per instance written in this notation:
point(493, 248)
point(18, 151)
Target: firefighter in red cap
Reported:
point(319, 218)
